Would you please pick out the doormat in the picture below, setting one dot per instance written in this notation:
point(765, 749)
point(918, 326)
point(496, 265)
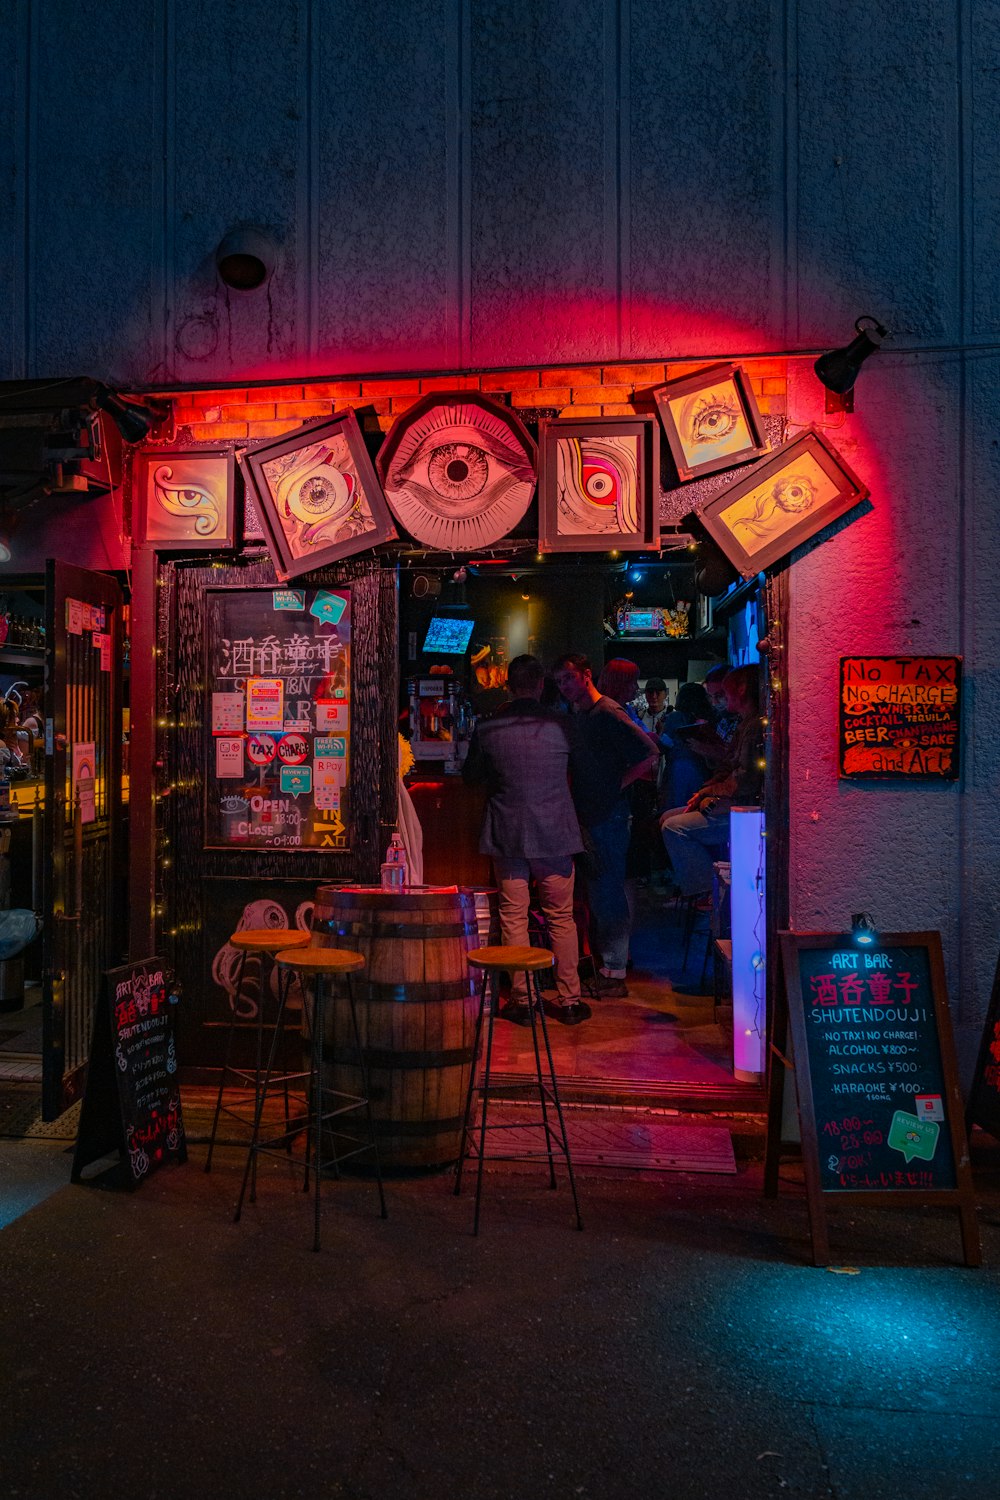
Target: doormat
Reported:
point(597, 1139)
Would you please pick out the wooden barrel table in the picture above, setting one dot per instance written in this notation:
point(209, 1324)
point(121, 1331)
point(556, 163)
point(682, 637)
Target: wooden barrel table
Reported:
point(417, 1007)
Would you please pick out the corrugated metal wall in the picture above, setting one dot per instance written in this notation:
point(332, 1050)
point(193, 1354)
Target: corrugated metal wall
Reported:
point(455, 184)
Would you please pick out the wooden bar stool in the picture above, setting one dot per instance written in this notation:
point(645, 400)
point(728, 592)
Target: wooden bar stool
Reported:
point(491, 962)
point(266, 942)
point(321, 965)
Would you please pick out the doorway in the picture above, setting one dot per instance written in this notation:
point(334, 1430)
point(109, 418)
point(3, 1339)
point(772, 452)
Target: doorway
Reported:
point(670, 1038)
point(62, 829)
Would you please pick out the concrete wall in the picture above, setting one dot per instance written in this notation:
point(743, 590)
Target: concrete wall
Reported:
point(456, 184)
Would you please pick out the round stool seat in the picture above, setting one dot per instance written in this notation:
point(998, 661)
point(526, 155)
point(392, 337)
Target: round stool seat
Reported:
point(321, 960)
point(499, 957)
point(270, 939)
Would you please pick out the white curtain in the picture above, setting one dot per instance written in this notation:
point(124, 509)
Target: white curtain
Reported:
point(411, 833)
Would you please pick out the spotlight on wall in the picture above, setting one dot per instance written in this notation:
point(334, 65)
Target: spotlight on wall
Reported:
point(245, 259)
point(863, 929)
point(134, 421)
point(6, 551)
point(839, 368)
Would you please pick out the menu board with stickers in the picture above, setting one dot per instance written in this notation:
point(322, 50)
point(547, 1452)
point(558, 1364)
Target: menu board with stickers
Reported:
point(880, 1110)
point(278, 719)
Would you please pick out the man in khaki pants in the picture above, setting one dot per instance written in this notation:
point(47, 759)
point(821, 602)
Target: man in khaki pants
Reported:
point(530, 829)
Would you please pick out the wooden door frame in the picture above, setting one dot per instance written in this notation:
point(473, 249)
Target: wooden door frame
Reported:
point(163, 584)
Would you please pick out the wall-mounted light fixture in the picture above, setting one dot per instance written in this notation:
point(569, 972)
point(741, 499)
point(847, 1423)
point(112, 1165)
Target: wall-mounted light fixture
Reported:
point(863, 929)
point(245, 259)
point(133, 420)
point(838, 369)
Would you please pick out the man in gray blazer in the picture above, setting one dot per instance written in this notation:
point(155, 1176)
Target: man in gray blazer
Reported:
point(521, 753)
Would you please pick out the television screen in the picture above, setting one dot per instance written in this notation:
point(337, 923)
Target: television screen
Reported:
point(448, 637)
point(640, 621)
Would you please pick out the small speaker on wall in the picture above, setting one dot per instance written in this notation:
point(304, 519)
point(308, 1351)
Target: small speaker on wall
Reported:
point(425, 586)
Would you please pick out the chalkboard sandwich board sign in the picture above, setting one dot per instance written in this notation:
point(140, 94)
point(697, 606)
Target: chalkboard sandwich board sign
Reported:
point(132, 1102)
point(984, 1101)
point(880, 1109)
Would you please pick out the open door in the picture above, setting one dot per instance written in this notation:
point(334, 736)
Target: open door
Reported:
point(84, 923)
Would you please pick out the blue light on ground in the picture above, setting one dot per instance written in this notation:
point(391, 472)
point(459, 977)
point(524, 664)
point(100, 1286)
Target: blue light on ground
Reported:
point(30, 1172)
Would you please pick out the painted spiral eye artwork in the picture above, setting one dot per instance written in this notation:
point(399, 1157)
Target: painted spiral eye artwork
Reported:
point(318, 496)
point(711, 420)
point(182, 499)
point(458, 470)
point(319, 499)
point(596, 485)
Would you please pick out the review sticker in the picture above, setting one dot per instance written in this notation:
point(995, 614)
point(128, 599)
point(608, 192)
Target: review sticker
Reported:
point(913, 1136)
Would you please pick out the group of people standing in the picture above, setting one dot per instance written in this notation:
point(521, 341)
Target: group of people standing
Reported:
point(561, 790)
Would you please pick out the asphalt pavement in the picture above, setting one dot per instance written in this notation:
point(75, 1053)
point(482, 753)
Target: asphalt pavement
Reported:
point(681, 1345)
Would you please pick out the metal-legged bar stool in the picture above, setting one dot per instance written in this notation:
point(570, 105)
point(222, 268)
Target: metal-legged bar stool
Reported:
point(490, 962)
point(321, 964)
point(266, 942)
point(691, 914)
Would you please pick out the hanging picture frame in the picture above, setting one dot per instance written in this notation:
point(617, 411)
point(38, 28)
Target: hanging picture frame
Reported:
point(802, 487)
point(711, 420)
point(598, 484)
point(316, 495)
point(183, 499)
point(459, 470)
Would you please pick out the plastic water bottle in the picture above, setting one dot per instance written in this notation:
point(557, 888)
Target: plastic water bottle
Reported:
point(394, 870)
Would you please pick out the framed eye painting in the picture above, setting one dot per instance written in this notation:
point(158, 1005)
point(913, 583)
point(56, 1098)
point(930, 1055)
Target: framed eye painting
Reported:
point(317, 495)
point(711, 420)
point(598, 485)
point(182, 499)
point(801, 488)
point(458, 470)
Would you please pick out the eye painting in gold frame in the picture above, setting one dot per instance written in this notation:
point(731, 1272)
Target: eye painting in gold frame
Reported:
point(316, 495)
point(183, 499)
point(711, 420)
point(598, 484)
point(783, 502)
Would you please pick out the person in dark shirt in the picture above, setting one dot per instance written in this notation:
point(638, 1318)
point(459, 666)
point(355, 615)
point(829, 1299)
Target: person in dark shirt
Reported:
point(695, 835)
point(610, 752)
point(521, 753)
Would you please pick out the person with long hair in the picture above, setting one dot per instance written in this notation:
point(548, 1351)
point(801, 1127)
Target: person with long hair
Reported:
point(683, 769)
point(696, 833)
